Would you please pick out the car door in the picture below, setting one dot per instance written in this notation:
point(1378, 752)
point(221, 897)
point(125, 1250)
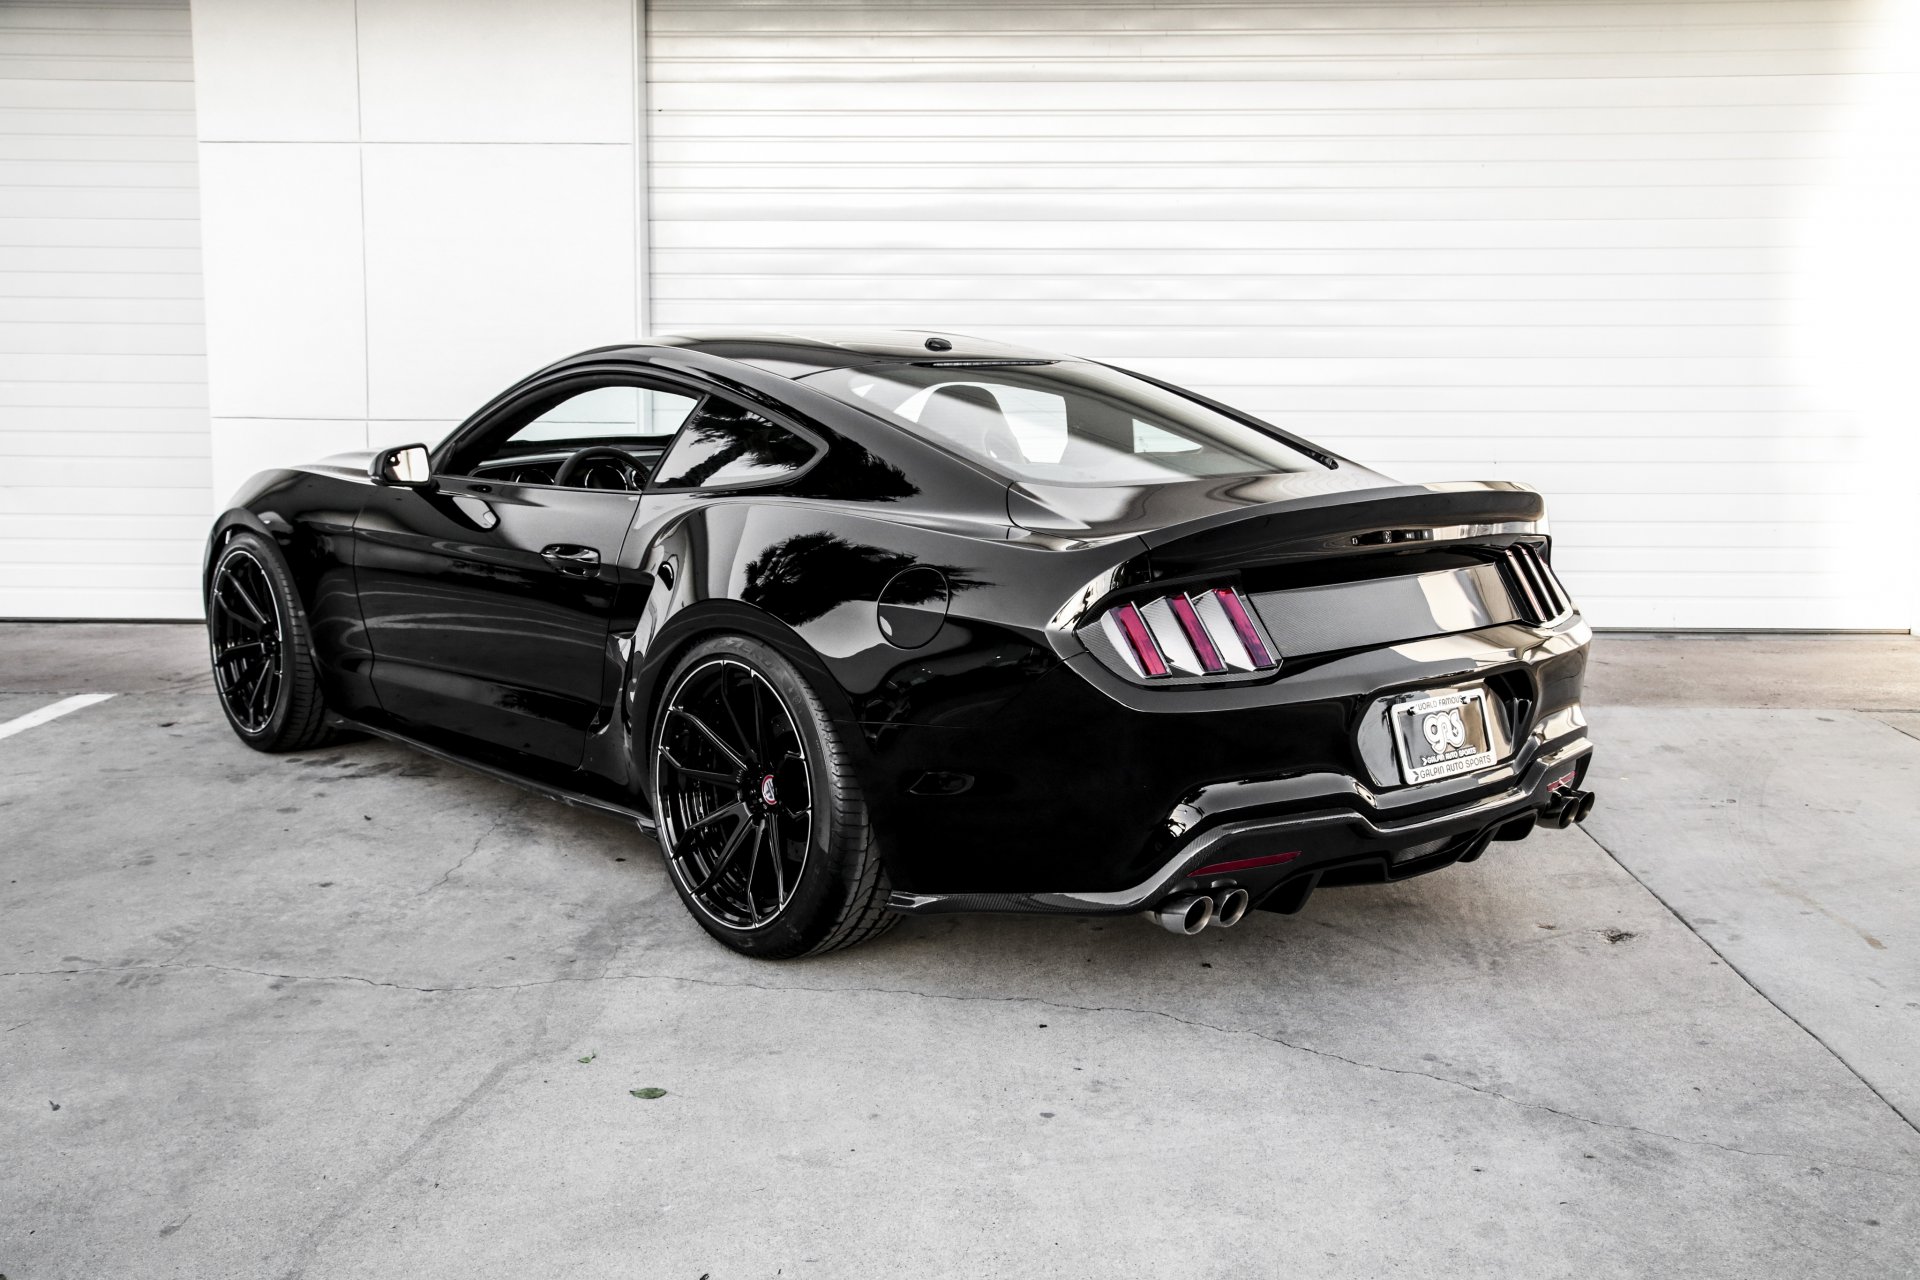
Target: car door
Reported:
point(488, 593)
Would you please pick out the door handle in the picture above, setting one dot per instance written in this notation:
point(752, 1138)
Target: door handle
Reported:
point(570, 558)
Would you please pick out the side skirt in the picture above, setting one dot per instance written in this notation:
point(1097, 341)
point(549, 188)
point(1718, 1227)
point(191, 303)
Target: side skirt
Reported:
point(578, 800)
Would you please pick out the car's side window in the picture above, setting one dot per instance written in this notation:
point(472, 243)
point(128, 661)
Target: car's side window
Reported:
point(609, 415)
point(627, 425)
point(725, 445)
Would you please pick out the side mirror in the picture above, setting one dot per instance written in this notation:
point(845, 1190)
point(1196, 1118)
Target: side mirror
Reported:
point(405, 464)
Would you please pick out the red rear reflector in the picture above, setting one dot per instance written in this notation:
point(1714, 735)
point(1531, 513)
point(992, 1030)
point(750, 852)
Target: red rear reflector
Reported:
point(1243, 626)
point(1244, 864)
point(1140, 640)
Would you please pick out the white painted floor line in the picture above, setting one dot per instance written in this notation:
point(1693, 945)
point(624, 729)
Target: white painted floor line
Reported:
point(20, 724)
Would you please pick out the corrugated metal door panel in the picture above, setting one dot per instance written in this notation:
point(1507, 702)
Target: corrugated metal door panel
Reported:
point(104, 441)
point(1563, 243)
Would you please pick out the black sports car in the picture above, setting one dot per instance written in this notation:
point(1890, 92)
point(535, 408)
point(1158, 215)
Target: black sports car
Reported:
point(914, 622)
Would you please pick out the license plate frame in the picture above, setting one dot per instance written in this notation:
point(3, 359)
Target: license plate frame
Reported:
point(1443, 733)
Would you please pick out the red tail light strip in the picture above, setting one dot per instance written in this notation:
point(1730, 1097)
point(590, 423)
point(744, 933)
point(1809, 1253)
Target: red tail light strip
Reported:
point(1176, 646)
point(1207, 633)
point(1203, 648)
point(1135, 641)
point(1243, 626)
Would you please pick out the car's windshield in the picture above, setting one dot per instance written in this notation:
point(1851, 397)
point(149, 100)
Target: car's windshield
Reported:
point(1065, 421)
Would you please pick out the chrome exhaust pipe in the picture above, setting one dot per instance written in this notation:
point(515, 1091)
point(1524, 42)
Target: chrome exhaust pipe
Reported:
point(1231, 909)
point(1187, 915)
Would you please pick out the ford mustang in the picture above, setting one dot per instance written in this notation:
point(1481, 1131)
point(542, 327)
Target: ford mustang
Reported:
point(904, 623)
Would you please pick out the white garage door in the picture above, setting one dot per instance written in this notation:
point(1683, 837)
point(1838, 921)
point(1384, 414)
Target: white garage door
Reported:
point(1578, 244)
point(104, 471)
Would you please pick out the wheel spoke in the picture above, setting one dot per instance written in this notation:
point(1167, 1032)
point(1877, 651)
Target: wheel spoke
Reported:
point(245, 675)
point(246, 598)
point(232, 614)
point(728, 852)
point(707, 733)
point(726, 704)
point(759, 720)
point(778, 847)
point(704, 775)
point(256, 711)
point(753, 865)
point(737, 809)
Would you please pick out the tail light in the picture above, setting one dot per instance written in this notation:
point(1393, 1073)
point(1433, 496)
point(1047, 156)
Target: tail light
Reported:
point(1199, 633)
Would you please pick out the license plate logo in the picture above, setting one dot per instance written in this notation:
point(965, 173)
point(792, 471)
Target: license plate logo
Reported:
point(1443, 734)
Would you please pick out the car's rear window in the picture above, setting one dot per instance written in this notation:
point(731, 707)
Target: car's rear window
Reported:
point(1063, 422)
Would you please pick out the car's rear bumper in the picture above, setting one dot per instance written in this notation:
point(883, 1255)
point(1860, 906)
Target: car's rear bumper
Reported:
point(1088, 787)
point(1281, 839)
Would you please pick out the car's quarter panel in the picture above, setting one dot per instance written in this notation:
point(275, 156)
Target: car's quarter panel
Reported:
point(484, 637)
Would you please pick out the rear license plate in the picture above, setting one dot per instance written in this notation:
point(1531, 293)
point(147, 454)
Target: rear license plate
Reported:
point(1443, 734)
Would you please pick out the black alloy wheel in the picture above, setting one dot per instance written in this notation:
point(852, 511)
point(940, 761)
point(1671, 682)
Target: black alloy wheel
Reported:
point(263, 664)
point(736, 804)
point(243, 620)
point(759, 815)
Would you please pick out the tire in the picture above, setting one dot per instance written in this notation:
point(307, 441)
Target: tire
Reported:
point(726, 806)
point(253, 612)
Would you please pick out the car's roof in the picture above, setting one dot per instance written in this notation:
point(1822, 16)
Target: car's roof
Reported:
point(796, 353)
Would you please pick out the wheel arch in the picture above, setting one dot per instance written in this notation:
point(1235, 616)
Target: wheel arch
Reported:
point(225, 526)
point(702, 620)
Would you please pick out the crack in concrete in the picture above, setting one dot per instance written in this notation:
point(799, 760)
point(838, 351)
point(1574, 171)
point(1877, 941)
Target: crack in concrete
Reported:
point(1752, 985)
point(477, 842)
point(1255, 1032)
point(323, 1230)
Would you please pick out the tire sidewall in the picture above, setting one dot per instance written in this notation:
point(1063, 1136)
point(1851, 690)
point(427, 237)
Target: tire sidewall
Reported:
point(820, 895)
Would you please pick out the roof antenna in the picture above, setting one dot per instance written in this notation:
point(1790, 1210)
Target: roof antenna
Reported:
point(939, 344)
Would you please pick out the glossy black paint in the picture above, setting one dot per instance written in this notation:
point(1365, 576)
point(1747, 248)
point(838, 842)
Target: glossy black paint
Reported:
point(931, 605)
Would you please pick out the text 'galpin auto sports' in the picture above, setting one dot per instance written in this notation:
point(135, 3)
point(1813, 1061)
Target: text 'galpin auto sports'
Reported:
point(913, 623)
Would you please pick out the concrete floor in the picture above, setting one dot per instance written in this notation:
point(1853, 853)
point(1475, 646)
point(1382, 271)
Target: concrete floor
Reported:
point(357, 1013)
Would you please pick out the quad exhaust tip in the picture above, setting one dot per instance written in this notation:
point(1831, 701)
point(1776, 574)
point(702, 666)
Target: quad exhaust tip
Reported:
point(1231, 909)
point(1185, 915)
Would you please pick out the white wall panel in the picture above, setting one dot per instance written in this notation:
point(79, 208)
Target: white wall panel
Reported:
point(497, 71)
point(284, 71)
point(410, 205)
point(286, 286)
point(103, 427)
point(1639, 254)
point(485, 262)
